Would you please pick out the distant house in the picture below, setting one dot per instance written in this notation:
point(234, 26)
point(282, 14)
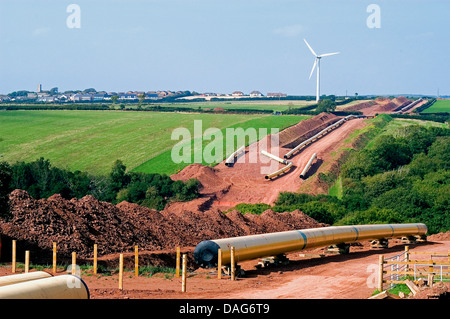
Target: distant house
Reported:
point(46, 99)
point(4, 98)
point(63, 97)
point(255, 94)
point(163, 94)
point(81, 97)
point(98, 97)
point(237, 93)
point(86, 97)
point(128, 96)
point(276, 95)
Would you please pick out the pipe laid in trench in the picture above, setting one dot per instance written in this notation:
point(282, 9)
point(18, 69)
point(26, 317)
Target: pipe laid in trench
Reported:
point(276, 158)
point(230, 160)
point(311, 139)
point(273, 244)
point(56, 287)
point(308, 165)
point(280, 171)
point(282, 161)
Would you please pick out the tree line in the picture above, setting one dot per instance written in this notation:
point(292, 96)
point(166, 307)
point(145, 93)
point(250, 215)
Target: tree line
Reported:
point(42, 180)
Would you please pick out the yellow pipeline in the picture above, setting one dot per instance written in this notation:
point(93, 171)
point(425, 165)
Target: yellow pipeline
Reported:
point(56, 287)
point(280, 171)
point(272, 244)
point(15, 279)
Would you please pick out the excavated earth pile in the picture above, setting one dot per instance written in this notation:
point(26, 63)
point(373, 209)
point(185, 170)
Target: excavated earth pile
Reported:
point(294, 135)
point(360, 106)
point(77, 224)
point(388, 105)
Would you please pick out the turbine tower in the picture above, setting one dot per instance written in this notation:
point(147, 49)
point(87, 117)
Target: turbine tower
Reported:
point(317, 63)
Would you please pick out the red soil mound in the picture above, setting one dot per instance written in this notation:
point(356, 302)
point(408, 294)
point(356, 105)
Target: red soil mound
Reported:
point(300, 132)
point(75, 225)
point(360, 106)
point(207, 176)
point(400, 101)
point(440, 237)
point(387, 106)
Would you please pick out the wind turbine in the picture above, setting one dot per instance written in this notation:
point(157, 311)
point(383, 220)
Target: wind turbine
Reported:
point(317, 63)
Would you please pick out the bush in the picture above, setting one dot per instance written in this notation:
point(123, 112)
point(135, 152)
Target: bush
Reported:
point(257, 209)
point(41, 180)
point(5, 189)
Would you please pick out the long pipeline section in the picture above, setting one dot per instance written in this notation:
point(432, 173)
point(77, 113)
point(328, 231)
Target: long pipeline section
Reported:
point(273, 244)
point(311, 139)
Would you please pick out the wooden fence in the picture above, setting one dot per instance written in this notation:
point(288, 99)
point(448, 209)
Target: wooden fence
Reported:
point(395, 270)
point(181, 262)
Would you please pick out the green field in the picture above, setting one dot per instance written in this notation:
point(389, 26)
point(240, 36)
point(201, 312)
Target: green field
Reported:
point(92, 140)
point(440, 106)
point(280, 106)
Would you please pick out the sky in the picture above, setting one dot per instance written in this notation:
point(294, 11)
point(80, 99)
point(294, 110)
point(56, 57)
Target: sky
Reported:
point(224, 46)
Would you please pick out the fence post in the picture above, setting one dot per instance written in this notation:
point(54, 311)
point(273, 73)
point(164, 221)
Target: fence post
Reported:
point(121, 272)
point(13, 262)
point(95, 258)
point(233, 265)
point(177, 274)
point(74, 263)
point(54, 257)
point(431, 267)
point(219, 264)
point(407, 257)
point(27, 261)
point(430, 279)
point(183, 274)
point(136, 261)
point(380, 273)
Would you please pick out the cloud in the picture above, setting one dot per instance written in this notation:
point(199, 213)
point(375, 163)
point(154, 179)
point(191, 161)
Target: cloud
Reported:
point(289, 31)
point(41, 31)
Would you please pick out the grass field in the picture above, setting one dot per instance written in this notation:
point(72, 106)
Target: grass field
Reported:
point(92, 140)
point(439, 106)
point(280, 106)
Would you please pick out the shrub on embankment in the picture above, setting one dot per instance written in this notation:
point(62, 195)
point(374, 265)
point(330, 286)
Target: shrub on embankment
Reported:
point(42, 180)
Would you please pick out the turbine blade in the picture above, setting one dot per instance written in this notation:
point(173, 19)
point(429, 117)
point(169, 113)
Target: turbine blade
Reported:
point(310, 47)
point(328, 54)
point(314, 66)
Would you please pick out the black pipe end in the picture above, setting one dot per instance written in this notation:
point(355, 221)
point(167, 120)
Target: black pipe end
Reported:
point(206, 254)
